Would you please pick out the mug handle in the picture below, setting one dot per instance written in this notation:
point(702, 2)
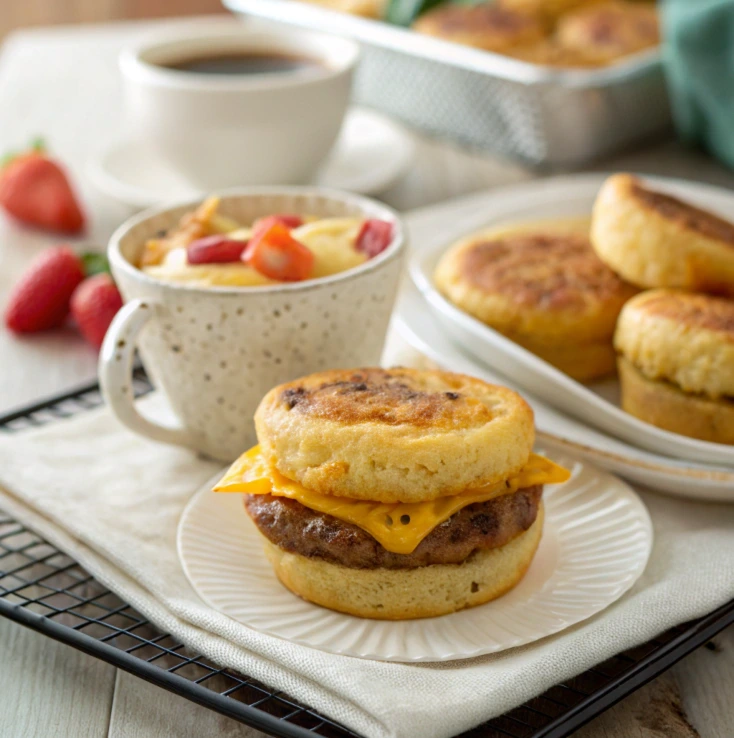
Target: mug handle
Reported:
point(116, 370)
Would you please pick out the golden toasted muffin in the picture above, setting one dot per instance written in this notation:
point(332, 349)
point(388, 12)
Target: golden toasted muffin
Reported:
point(654, 240)
point(676, 362)
point(484, 26)
point(545, 290)
point(607, 31)
point(548, 10)
point(396, 493)
point(397, 435)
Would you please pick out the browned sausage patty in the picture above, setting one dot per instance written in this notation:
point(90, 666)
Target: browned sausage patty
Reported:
point(298, 529)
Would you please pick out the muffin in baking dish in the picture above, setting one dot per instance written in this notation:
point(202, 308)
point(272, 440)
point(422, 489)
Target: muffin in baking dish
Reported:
point(396, 493)
point(548, 52)
point(544, 289)
point(676, 362)
point(604, 32)
point(652, 239)
point(548, 10)
point(485, 26)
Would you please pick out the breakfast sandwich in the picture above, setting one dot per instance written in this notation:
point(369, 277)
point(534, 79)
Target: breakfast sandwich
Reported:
point(395, 494)
point(652, 239)
point(484, 26)
point(544, 289)
point(676, 362)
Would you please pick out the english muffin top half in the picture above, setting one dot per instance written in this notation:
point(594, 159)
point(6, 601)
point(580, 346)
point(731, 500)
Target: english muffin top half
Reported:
point(397, 435)
point(653, 239)
point(681, 337)
point(547, 285)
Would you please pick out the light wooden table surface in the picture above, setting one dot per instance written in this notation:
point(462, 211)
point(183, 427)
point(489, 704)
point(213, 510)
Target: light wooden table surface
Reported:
point(63, 84)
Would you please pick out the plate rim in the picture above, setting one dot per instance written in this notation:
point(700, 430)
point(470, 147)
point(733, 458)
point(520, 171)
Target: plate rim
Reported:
point(623, 490)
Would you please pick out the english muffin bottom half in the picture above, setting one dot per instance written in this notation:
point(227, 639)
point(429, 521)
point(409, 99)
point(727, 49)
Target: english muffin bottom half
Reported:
point(485, 26)
point(445, 505)
point(676, 362)
point(546, 290)
point(475, 556)
point(403, 594)
point(652, 239)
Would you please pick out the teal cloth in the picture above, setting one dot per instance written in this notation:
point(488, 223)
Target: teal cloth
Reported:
point(699, 61)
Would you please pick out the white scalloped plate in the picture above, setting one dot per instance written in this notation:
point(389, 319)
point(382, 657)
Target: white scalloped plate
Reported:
point(557, 197)
point(596, 542)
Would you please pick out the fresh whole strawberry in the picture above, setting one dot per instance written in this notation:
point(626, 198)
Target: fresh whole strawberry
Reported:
point(93, 306)
point(35, 190)
point(40, 300)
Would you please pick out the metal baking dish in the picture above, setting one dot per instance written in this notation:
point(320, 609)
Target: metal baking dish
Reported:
point(543, 116)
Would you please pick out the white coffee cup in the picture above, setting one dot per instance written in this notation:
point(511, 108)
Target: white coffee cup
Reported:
point(216, 351)
point(238, 129)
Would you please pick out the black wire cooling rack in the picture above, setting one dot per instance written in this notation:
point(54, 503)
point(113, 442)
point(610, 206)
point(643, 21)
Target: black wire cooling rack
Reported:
point(46, 590)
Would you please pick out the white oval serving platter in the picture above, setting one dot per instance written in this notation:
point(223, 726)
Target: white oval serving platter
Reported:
point(417, 325)
point(596, 542)
point(554, 198)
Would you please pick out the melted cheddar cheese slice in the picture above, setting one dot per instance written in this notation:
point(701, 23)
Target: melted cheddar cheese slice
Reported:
point(398, 526)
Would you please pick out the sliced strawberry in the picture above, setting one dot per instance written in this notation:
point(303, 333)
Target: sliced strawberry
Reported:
point(35, 190)
point(94, 303)
point(374, 237)
point(40, 300)
point(289, 221)
point(277, 255)
point(214, 250)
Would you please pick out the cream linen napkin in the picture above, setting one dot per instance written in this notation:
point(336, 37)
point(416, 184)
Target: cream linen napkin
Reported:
point(112, 501)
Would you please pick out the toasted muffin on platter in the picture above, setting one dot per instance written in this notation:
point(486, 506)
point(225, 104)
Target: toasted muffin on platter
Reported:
point(604, 32)
point(485, 26)
point(396, 435)
point(652, 239)
point(544, 289)
point(676, 362)
point(444, 507)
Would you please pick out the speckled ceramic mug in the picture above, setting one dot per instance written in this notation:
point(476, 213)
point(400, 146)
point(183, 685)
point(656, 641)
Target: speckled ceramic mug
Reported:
point(215, 351)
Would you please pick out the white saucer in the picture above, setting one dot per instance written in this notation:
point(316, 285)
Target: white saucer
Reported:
point(596, 541)
point(372, 153)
